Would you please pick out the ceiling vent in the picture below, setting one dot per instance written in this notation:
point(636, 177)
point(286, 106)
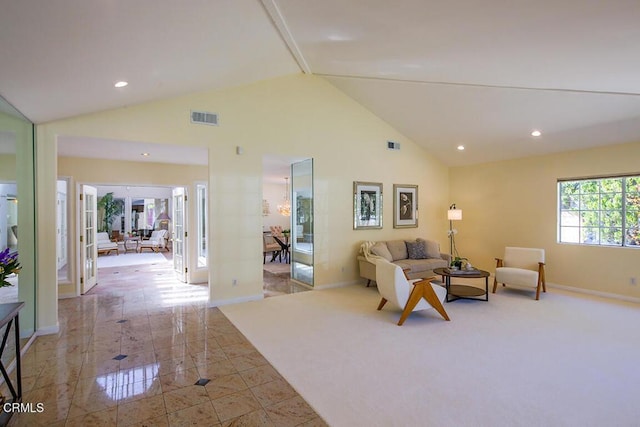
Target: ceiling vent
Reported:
point(204, 118)
point(393, 145)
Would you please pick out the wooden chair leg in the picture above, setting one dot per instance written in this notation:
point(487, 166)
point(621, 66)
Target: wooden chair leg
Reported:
point(422, 290)
point(495, 285)
point(368, 282)
point(382, 303)
point(430, 295)
point(414, 299)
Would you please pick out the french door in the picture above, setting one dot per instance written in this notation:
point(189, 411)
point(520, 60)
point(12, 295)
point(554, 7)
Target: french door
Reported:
point(179, 215)
point(88, 232)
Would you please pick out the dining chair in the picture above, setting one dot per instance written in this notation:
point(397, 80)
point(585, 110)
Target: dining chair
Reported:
point(270, 245)
point(285, 249)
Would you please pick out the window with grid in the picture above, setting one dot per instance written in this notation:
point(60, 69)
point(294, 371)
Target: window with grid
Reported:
point(600, 211)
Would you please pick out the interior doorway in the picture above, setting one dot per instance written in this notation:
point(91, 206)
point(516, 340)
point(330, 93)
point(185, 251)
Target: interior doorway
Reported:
point(142, 185)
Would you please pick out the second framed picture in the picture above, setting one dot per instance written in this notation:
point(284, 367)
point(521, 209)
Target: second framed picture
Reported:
point(367, 205)
point(405, 206)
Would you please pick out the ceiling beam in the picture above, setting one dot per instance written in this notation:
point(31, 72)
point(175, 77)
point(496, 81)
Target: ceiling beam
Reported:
point(281, 25)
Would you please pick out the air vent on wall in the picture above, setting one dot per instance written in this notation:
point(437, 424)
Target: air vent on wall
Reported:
point(393, 145)
point(204, 118)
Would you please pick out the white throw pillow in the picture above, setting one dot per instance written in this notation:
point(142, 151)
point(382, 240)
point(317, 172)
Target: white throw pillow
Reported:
point(381, 249)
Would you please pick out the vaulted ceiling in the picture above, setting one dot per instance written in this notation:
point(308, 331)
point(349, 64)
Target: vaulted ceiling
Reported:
point(444, 73)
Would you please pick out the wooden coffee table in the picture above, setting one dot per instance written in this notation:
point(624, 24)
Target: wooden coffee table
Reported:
point(461, 291)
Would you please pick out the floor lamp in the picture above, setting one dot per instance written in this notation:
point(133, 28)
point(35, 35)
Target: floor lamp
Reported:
point(453, 214)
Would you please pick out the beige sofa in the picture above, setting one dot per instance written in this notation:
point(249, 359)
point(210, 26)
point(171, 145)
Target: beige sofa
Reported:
point(419, 257)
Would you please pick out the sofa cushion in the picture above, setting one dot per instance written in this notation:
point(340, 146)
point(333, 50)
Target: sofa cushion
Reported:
point(419, 265)
point(416, 250)
point(432, 248)
point(398, 249)
point(381, 249)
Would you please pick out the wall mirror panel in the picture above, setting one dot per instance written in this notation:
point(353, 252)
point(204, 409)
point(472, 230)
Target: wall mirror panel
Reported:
point(302, 220)
point(17, 218)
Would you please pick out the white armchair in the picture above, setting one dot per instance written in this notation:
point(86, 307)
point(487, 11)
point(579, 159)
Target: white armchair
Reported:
point(105, 245)
point(521, 267)
point(155, 242)
point(407, 295)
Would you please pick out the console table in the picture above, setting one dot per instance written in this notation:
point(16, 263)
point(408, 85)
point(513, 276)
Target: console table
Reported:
point(9, 316)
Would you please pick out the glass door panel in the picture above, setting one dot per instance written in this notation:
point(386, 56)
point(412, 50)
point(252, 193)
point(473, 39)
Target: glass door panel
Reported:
point(179, 233)
point(89, 249)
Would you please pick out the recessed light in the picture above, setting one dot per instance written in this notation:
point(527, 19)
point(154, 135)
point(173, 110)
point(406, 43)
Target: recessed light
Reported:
point(121, 84)
point(460, 147)
point(145, 154)
point(536, 133)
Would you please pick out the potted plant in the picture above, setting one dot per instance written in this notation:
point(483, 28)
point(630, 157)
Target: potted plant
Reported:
point(8, 265)
point(457, 262)
point(112, 208)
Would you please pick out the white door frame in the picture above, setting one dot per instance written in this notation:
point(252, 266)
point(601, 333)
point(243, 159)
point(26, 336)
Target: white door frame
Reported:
point(179, 233)
point(87, 238)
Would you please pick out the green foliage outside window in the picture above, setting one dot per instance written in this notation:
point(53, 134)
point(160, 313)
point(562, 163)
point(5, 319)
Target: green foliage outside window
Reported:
point(600, 211)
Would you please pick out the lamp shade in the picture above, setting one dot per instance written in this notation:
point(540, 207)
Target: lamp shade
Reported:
point(454, 214)
point(163, 217)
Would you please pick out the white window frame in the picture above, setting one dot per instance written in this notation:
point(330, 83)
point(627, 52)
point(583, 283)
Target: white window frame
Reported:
point(580, 222)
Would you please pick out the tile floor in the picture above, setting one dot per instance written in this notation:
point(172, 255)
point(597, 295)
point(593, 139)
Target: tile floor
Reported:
point(148, 352)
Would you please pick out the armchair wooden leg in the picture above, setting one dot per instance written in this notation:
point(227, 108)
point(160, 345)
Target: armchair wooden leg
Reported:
point(431, 297)
point(422, 290)
point(368, 282)
point(414, 299)
point(382, 303)
point(495, 285)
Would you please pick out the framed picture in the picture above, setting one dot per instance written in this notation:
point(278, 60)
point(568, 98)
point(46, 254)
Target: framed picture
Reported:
point(367, 205)
point(405, 206)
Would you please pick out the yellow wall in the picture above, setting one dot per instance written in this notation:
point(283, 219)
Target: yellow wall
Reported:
point(116, 172)
point(112, 172)
point(514, 203)
point(300, 116)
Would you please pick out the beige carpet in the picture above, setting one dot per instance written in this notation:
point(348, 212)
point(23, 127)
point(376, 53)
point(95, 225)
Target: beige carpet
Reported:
point(567, 360)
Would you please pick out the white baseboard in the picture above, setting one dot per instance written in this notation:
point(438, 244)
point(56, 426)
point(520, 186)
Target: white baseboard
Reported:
point(594, 293)
point(48, 330)
point(64, 296)
point(220, 303)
